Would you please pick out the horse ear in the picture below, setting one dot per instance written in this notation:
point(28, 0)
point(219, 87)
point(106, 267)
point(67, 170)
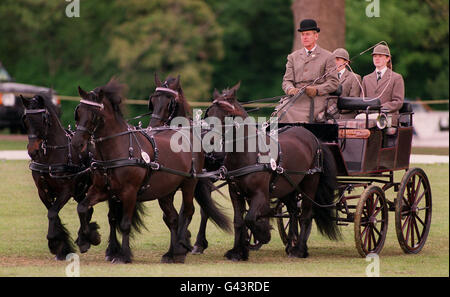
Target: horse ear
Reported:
point(40, 100)
point(177, 82)
point(157, 80)
point(101, 95)
point(236, 87)
point(82, 93)
point(216, 94)
point(24, 100)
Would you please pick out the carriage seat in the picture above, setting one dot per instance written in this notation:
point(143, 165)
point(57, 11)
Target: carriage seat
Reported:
point(358, 103)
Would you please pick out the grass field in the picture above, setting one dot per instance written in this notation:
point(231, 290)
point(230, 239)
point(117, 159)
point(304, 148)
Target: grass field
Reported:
point(24, 251)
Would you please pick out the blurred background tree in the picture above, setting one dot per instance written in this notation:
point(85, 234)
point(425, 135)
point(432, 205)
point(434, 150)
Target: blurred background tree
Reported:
point(211, 43)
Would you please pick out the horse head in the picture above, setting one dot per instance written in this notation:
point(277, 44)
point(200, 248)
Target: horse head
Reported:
point(37, 120)
point(96, 108)
point(225, 104)
point(167, 101)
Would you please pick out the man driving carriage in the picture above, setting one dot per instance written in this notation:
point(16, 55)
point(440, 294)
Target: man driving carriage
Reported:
point(303, 68)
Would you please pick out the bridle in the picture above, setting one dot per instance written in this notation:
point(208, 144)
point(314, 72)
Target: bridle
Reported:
point(44, 114)
point(173, 105)
point(99, 106)
point(45, 118)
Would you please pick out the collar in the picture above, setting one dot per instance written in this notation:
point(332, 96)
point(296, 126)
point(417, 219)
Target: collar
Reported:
point(306, 50)
point(342, 71)
point(382, 71)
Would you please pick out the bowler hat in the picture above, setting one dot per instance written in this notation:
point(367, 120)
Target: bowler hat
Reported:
point(341, 53)
point(308, 25)
point(381, 50)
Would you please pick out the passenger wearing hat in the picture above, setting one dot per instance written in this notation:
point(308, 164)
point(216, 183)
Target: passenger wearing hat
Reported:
point(384, 83)
point(303, 67)
point(350, 81)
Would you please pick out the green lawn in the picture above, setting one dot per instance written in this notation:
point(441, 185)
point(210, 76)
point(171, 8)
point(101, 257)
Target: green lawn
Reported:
point(24, 251)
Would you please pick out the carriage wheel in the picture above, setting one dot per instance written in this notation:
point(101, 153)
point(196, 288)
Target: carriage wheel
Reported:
point(371, 221)
point(283, 222)
point(413, 211)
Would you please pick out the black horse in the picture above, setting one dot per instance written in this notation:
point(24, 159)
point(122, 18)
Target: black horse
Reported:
point(133, 167)
point(57, 171)
point(303, 167)
point(167, 103)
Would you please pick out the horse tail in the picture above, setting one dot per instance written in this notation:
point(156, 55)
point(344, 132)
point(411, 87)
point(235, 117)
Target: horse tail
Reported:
point(137, 222)
point(202, 195)
point(325, 215)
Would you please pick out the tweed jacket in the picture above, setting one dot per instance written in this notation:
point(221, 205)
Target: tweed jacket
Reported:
point(350, 88)
point(394, 89)
point(301, 70)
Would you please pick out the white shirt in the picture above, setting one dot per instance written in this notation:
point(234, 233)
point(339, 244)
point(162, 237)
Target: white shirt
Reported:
point(306, 50)
point(383, 70)
point(341, 72)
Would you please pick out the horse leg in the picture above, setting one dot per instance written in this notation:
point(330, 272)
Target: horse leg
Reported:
point(58, 237)
point(291, 205)
point(256, 219)
point(128, 199)
point(88, 234)
point(201, 243)
point(309, 187)
point(113, 249)
point(240, 250)
point(170, 217)
point(185, 218)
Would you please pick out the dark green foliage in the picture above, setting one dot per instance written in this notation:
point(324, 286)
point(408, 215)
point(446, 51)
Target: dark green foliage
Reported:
point(211, 43)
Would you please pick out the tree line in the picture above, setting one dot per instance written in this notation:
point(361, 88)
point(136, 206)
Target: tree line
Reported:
point(211, 43)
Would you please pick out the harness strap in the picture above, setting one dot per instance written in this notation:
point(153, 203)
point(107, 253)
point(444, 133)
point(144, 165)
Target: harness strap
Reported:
point(58, 168)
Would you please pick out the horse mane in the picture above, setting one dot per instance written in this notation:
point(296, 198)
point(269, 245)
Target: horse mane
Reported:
point(48, 104)
point(113, 91)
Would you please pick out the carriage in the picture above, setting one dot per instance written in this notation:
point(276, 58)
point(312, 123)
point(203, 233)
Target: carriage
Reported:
point(367, 154)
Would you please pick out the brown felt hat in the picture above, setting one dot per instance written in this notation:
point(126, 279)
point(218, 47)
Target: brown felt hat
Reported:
point(381, 50)
point(341, 53)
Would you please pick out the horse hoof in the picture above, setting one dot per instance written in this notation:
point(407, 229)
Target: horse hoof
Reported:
point(84, 247)
point(60, 258)
point(166, 260)
point(234, 256)
point(197, 250)
point(295, 253)
point(120, 260)
point(95, 238)
point(179, 259)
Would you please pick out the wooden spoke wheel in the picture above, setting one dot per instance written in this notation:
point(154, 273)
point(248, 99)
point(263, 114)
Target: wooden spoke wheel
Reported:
point(413, 211)
point(371, 221)
point(284, 221)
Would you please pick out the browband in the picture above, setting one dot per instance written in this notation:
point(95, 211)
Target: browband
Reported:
point(28, 111)
point(92, 103)
point(167, 90)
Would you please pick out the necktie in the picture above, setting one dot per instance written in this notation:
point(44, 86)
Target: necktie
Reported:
point(309, 53)
point(339, 75)
point(379, 75)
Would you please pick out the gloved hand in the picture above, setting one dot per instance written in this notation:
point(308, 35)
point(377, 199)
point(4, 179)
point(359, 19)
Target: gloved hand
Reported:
point(311, 91)
point(293, 91)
